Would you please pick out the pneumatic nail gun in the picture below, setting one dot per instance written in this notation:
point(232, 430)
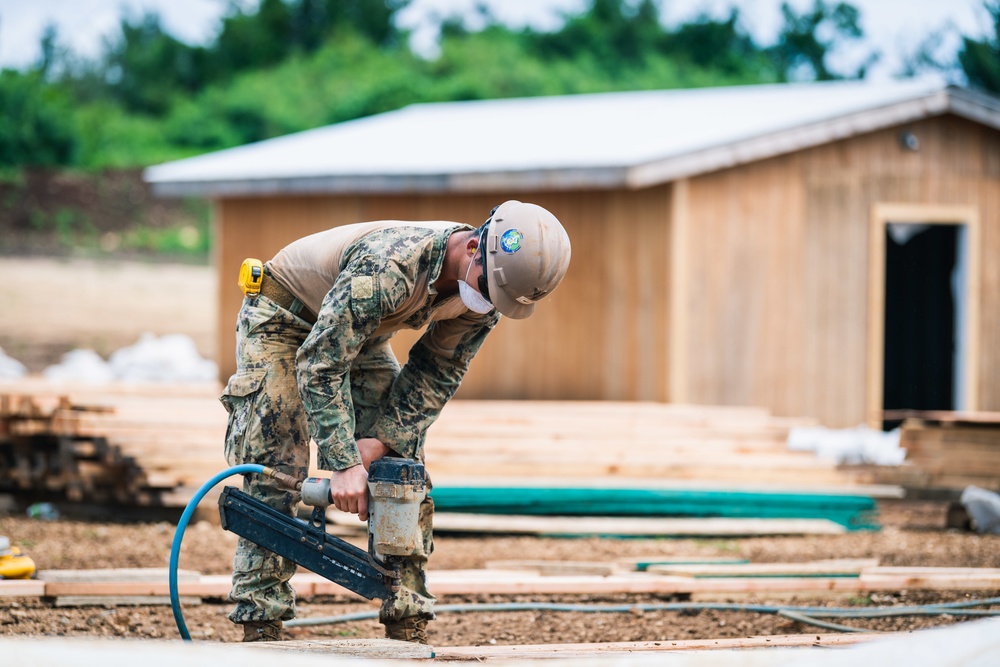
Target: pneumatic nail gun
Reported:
point(396, 488)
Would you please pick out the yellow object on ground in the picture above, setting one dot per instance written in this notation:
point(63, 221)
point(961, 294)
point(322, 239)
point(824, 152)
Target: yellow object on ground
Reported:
point(16, 565)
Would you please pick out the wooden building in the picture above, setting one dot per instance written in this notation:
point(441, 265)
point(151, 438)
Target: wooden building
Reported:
point(823, 249)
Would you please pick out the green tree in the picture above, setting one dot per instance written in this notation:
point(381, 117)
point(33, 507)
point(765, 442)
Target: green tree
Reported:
point(801, 52)
point(614, 32)
point(145, 68)
point(721, 46)
point(980, 59)
point(275, 29)
point(35, 122)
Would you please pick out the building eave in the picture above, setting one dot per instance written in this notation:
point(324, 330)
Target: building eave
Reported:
point(961, 102)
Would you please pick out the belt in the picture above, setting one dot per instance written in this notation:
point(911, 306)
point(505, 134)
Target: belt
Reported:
point(279, 294)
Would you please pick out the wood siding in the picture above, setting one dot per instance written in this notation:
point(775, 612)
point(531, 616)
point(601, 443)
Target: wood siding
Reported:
point(778, 263)
point(601, 335)
point(748, 286)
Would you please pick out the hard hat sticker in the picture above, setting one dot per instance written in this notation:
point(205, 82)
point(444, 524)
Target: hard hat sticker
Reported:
point(510, 241)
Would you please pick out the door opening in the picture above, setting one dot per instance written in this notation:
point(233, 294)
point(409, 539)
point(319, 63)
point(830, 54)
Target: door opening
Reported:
point(925, 307)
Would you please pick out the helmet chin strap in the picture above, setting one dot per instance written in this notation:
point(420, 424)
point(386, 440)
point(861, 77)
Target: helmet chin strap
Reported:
point(472, 299)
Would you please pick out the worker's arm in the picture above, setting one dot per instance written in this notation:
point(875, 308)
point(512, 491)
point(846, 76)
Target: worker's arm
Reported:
point(431, 376)
point(351, 312)
point(368, 286)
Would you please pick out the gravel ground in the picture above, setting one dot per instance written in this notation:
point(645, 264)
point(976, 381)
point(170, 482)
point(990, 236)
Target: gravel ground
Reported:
point(913, 534)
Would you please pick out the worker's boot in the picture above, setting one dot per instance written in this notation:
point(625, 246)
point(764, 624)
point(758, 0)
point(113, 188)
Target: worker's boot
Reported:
point(262, 631)
point(410, 629)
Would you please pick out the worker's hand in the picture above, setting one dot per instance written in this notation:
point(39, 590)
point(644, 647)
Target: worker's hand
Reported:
point(349, 491)
point(371, 449)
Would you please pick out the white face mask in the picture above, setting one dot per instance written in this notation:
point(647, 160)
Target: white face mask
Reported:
point(472, 299)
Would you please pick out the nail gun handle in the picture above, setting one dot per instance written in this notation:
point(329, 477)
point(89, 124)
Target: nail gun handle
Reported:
point(316, 492)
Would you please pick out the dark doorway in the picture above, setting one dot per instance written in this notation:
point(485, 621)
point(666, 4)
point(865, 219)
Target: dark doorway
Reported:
point(923, 316)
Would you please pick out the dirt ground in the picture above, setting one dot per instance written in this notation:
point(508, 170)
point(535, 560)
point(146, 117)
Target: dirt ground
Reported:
point(913, 534)
point(52, 306)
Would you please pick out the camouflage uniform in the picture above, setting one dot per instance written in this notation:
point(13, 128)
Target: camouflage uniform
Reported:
point(339, 381)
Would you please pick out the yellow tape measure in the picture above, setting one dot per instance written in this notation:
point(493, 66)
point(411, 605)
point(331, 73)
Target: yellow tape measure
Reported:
point(251, 275)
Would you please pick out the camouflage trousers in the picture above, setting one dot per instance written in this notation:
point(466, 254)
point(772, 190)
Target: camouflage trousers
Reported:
point(268, 425)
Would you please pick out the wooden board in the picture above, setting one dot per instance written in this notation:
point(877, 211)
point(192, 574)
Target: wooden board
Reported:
point(829, 568)
point(627, 526)
point(348, 648)
point(122, 601)
point(581, 651)
point(551, 568)
point(508, 582)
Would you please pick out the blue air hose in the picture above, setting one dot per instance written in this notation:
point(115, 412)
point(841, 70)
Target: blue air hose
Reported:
point(175, 550)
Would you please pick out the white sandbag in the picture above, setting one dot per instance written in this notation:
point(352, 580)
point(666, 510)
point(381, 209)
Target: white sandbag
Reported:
point(849, 446)
point(983, 507)
point(80, 366)
point(170, 358)
point(10, 368)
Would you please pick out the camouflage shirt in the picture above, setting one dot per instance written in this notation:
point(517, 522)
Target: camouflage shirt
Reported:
point(384, 284)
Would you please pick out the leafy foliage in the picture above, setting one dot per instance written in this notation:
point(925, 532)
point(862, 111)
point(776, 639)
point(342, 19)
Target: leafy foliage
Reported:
point(35, 122)
point(980, 60)
point(281, 66)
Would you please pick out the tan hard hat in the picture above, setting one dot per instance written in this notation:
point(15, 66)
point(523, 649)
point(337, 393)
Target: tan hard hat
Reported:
point(527, 253)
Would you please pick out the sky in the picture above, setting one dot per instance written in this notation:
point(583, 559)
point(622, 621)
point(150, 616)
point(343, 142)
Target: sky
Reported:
point(895, 28)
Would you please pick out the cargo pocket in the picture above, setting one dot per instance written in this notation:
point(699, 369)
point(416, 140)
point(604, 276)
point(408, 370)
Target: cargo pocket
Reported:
point(245, 563)
point(239, 399)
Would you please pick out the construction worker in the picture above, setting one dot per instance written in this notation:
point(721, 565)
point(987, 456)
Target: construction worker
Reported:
point(313, 359)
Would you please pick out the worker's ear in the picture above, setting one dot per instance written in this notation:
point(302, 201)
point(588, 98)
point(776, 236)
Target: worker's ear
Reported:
point(472, 244)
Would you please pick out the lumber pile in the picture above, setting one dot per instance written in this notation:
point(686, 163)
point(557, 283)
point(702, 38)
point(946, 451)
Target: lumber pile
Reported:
point(615, 440)
point(138, 445)
point(154, 445)
point(945, 451)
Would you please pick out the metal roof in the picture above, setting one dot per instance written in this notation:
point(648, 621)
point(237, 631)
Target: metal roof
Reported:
point(606, 140)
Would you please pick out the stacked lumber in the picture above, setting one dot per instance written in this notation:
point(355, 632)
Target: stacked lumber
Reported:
point(614, 440)
point(946, 451)
point(156, 444)
point(128, 444)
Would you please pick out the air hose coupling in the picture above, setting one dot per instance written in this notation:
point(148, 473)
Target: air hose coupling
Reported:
point(286, 480)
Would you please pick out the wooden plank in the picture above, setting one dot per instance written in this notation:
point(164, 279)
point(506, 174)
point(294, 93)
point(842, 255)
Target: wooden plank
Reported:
point(579, 651)
point(829, 568)
point(541, 525)
point(498, 582)
point(10, 588)
point(137, 574)
point(506, 582)
point(352, 648)
point(982, 417)
point(553, 568)
point(122, 601)
point(640, 563)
